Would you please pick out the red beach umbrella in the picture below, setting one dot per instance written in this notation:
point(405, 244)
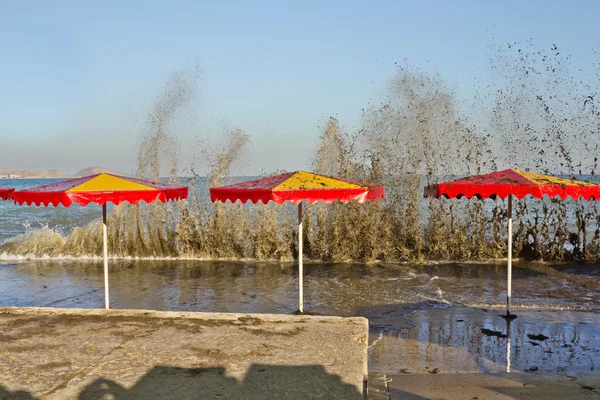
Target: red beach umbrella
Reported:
point(509, 183)
point(297, 187)
point(100, 189)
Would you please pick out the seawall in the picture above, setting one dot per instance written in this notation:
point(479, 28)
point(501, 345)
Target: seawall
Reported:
point(55, 353)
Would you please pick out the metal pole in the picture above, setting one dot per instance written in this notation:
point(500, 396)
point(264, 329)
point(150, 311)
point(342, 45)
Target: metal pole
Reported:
point(105, 248)
point(300, 269)
point(509, 269)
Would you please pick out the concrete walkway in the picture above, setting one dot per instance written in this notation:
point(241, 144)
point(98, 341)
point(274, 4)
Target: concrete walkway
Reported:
point(124, 354)
point(470, 386)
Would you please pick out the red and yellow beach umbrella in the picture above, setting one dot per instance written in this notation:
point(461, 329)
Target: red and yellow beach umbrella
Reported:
point(100, 189)
point(509, 183)
point(297, 187)
point(512, 182)
point(5, 192)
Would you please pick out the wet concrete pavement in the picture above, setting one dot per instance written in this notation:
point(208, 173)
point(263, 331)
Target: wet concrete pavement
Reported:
point(127, 354)
point(484, 386)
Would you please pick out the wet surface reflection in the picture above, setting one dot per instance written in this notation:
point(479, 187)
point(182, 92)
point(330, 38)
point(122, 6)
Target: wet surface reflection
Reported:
point(424, 318)
point(462, 339)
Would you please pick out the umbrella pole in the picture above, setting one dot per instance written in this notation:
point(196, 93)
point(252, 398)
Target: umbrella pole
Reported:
point(105, 251)
point(300, 269)
point(509, 269)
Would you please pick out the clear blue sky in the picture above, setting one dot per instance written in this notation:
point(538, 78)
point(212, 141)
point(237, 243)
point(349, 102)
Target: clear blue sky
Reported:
point(77, 78)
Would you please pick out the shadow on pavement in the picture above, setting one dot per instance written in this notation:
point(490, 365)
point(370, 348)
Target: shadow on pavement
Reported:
point(18, 395)
point(261, 382)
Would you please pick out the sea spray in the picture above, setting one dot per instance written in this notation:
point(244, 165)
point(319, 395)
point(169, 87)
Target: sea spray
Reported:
point(35, 242)
point(419, 137)
point(532, 115)
point(146, 229)
point(545, 120)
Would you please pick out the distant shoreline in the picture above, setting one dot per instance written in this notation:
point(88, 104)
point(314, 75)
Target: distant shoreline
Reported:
point(12, 174)
point(21, 178)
